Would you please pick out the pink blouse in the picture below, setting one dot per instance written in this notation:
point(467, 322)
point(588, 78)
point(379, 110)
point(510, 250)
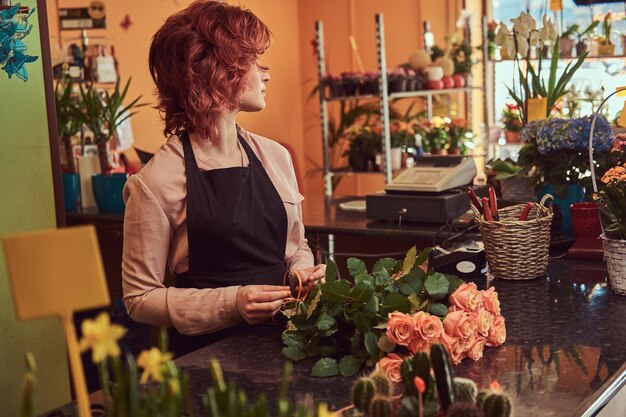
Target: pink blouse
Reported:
point(155, 237)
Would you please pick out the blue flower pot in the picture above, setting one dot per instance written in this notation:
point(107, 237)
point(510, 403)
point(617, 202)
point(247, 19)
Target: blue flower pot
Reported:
point(71, 189)
point(575, 194)
point(107, 190)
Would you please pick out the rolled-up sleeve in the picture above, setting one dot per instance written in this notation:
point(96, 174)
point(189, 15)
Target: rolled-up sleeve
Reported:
point(147, 236)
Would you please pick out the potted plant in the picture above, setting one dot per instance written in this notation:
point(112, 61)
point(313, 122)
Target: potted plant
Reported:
point(512, 121)
point(492, 46)
point(365, 142)
point(434, 135)
point(612, 207)
point(582, 46)
point(567, 41)
point(458, 133)
point(102, 113)
point(402, 138)
point(605, 46)
point(335, 85)
point(67, 104)
point(534, 96)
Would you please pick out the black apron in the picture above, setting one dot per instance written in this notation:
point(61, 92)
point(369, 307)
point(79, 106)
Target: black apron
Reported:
point(237, 231)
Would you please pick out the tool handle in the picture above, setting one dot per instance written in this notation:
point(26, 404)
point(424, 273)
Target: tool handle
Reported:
point(493, 200)
point(487, 213)
point(524, 215)
point(475, 201)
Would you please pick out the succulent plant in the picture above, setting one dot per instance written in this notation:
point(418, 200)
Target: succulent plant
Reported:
point(380, 407)
point(464, 409)
point(443, 375)
point(465, 390)
point(362, 393)
point(381, 383)
point(496, 404)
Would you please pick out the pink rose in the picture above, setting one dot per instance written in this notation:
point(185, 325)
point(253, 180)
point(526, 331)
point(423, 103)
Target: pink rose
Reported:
point(429, 327)
point(475, 352)
point(390, 366)
point(491, 301)
point(400, 328)
point(483, 319)
point(419, 345)
point(497, 334)
point(468, 342)
point(454, 348)
point(466, 296)
point(459, 324)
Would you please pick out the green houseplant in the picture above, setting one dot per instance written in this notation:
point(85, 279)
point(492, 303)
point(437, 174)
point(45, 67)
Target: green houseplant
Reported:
point(67, 106)
point(605, 46)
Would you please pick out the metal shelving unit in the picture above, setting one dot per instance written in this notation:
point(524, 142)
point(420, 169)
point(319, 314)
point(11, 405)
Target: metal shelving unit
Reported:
point(383, 98)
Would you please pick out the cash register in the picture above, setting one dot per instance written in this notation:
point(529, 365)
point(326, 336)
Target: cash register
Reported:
point(429, 192)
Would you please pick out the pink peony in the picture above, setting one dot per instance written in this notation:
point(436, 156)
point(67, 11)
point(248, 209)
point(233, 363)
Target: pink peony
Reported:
point(400, 328)
point(497, 334)
point(459, 324)
point(453, 346)
point(491, 301)
point(475, 352)
point(466, 296)
point(483, 319)
point(390, 366)
point(429, 327)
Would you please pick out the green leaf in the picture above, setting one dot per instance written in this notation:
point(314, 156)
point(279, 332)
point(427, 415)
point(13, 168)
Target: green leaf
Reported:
point(293, 339)
point(437, 285)
point(382, 278)
point(336, 291)
point(372, 305)
point(411, 283)
point(361, 292)
point(455, 282)
point(356, 267)
point(385, 344)
point(362, 322)
point(325, 367)
point(409, 260)
point(396, 302)
point(325, 322)
point(371, 345)
point(328, 350)
point(331, 271)
point(438, 309)
point(314, 302)
point(293, 353)
point(386, 263)
point(421, 258)
point(349, 365)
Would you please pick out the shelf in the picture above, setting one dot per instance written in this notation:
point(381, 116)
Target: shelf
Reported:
point(405, 94)
point(594, 57)
point(347, 172)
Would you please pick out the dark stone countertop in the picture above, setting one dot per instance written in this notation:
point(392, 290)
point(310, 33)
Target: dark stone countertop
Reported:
point(565, 345)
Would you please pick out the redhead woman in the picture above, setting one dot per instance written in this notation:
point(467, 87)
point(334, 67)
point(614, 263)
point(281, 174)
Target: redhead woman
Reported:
point(217, 205)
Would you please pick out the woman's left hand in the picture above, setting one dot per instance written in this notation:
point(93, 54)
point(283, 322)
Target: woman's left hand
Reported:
point(310, 276)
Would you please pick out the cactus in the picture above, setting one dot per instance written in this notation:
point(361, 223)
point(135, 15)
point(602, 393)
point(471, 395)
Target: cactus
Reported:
point(465, 390)
point(352, 412)
point(443, 375)
point(380, 407)
point(464, 409)
point(381, 383)
point(362, 393)
point(496, 404)
point(480, 398)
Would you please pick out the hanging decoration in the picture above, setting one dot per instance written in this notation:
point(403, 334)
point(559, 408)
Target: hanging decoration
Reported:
point(13, 28)
point(126, 22)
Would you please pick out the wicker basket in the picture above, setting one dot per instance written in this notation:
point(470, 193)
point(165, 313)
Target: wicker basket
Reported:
point(517, 250)
point(615, 256)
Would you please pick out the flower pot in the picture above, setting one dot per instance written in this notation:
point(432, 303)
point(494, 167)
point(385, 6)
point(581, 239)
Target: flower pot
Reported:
point(350, 86)
point(575, 194)
point(586, 220)
point(411, 84)
point(107, 190)
point(397, 84)
point(396, 158)
point(536, 109)
point(359, 161)
point(335, 88)
point(71, 189)
point(582, 47)
point(369, 86)
point(615, 255)
point(512, 137)
point(566, 46)
point(607, 49)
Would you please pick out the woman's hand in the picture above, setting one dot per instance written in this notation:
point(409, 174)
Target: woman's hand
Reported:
point(310, 277)
point(257, 303)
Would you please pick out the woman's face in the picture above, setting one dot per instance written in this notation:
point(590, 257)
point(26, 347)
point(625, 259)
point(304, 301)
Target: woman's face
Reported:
point(253, 97)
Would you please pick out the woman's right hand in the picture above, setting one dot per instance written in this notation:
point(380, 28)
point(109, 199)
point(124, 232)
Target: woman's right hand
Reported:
point(257, 303)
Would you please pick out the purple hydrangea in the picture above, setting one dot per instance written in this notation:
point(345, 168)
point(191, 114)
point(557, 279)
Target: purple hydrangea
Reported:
point(556, 134)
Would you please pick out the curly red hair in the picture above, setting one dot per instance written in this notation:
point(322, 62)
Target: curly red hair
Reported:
point(199, 60)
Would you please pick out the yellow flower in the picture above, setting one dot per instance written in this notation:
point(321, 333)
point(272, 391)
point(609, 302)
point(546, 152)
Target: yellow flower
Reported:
point(152, 362)
point(101, 337)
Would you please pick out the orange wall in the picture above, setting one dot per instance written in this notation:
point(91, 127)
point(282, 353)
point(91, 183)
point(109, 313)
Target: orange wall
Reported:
point(289, 117)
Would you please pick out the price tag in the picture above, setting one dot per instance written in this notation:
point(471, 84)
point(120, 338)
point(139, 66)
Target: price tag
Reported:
point(621, 122)
point(537, 109)
point(556, 5)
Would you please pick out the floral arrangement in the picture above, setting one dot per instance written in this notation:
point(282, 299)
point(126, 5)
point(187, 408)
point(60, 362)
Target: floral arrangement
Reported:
point(444, 133)
point(518, 44)
point(556, 149)
point(492, 46)
point(512, 118)
point(394, 312)
point(612, 203)
point(430, 389)
point(459, 134)
point(402, 135)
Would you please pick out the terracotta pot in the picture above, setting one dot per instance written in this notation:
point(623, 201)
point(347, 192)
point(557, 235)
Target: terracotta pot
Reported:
point(512, 137)
point(606, 49)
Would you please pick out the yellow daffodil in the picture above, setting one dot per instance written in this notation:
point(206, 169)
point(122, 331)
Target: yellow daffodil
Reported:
point(322, 411)
point(152, 362)
point(101, 337)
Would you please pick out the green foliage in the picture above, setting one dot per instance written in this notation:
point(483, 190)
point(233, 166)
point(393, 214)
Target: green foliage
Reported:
point(381, 383)
point(612, 208)
point(443, 375)
point(465, 390)
point(503, 168)
point(362, 393)
point(344, 321)
point(380, 407)
point(496, 404)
